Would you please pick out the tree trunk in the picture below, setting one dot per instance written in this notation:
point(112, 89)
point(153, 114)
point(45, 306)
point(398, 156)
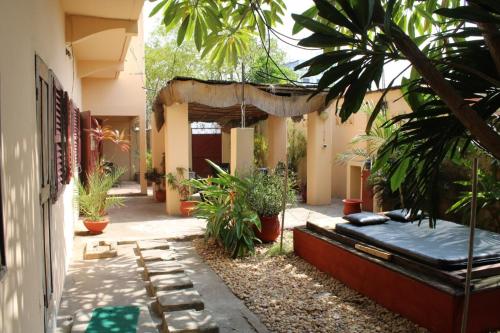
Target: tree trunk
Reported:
point(486, 136)
point(478, 127)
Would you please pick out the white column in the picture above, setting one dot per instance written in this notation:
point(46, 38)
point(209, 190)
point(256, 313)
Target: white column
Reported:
point(319, 159)
point(176, 149)
point(142, 154)
point(241, 150)
point(276, 140)
point(226, 147)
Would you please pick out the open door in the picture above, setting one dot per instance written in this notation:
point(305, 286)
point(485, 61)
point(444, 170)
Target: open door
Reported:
point(44, 120)
point(90, 151)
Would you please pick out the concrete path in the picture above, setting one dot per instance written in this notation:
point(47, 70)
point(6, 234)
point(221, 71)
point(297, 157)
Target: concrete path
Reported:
point(144, 218)
point(116, 281)
point(229, 312)
point(105, 282)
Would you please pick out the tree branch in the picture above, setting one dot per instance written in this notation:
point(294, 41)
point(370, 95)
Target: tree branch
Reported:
point(478, 127)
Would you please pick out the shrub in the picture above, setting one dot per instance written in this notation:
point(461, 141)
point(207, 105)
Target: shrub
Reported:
point(230, 220)
point(265, 195)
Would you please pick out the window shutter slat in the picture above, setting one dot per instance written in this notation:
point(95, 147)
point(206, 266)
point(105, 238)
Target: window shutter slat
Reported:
point(60, 139)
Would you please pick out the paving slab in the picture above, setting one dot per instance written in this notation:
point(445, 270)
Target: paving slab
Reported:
point(177, 300)
point(157, 255)
point(229, 312)
point(100, 249)
point(105, 282)
point(189, 321)
point(162, 267)
point(153, 244)
point(168, 282)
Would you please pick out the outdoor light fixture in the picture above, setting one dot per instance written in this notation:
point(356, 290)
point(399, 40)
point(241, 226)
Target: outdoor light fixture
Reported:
point(323, 115)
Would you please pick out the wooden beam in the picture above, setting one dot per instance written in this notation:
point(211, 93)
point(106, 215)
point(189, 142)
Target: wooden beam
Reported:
point(79, 27)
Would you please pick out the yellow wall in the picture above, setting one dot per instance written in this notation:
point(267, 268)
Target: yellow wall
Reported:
point(28, 28)
point(123, 96)
point(113, 153)
point(343, 134)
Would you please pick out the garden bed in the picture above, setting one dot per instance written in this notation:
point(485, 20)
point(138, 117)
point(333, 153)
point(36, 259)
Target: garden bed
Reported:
point(290, 295)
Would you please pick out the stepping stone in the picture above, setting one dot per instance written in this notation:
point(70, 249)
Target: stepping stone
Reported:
point(157, 255)
point(100, 249)
point(189, 321)
point(177, 300)
point(152, 244)
point(162, 267)
point(169, 282)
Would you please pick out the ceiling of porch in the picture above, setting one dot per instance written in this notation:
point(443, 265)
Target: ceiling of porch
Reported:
point(99, 32)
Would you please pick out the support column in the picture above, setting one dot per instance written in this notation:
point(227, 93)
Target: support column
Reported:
point(142, 154)
point(241, 150)
point(176, 149)
point(319, 159)
point(190, 143)
point(226, 147)
point(276, 140)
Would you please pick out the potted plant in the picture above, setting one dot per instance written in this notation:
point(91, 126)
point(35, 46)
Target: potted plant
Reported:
point(179, 183)
point(94, 201)
point(158, 179)
point(265, 196)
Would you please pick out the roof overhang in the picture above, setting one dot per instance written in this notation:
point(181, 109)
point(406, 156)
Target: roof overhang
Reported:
point(99, 33)
point(220, 101)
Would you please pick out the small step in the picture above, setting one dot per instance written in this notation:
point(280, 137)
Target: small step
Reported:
point(152, 244)
point(177, 300)
point(157, 255)
point(189, 321)
point(162, 267)
point(168, 282)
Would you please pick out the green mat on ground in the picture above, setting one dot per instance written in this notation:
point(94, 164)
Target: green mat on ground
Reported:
point(109, 319)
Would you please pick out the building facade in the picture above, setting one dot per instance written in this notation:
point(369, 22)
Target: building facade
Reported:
point(56, 56)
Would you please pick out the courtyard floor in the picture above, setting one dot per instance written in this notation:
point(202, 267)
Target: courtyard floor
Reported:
point(261, 293)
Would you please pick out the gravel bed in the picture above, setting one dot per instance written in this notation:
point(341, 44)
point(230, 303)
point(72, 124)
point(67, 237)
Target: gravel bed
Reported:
point(290, 295)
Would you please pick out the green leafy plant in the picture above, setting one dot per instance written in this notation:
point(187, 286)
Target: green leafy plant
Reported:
point(230, 220)
point(93, 198)
point(488, 195)
point(297, 146)
point(260, 148)
point(154, 176)
point(267, 191)
point(221, 30)
point(179, 183)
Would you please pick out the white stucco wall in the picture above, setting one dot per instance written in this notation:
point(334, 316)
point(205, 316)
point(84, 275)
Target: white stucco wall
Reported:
point(28, 28)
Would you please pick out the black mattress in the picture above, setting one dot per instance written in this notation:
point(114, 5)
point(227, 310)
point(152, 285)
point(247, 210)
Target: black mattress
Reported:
point(444, 247)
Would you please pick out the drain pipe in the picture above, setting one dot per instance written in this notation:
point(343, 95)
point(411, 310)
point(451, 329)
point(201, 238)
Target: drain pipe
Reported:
point(472, 226)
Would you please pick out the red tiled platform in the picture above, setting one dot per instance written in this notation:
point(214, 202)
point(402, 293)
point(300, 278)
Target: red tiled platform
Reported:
point(428, 303)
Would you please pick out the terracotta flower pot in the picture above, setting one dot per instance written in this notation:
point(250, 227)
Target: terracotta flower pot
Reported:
point(95, 227)
point(160, 195)
point(352, 206)
point(187, 207)
point(270, 229)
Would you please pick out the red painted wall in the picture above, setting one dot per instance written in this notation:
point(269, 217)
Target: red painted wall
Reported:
point(206, 146)
point(428, 307)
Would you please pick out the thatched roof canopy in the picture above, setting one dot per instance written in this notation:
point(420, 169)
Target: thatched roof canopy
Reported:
point(220, 101)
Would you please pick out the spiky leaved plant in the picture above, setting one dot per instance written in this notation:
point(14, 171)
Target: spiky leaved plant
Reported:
point(93, 197)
